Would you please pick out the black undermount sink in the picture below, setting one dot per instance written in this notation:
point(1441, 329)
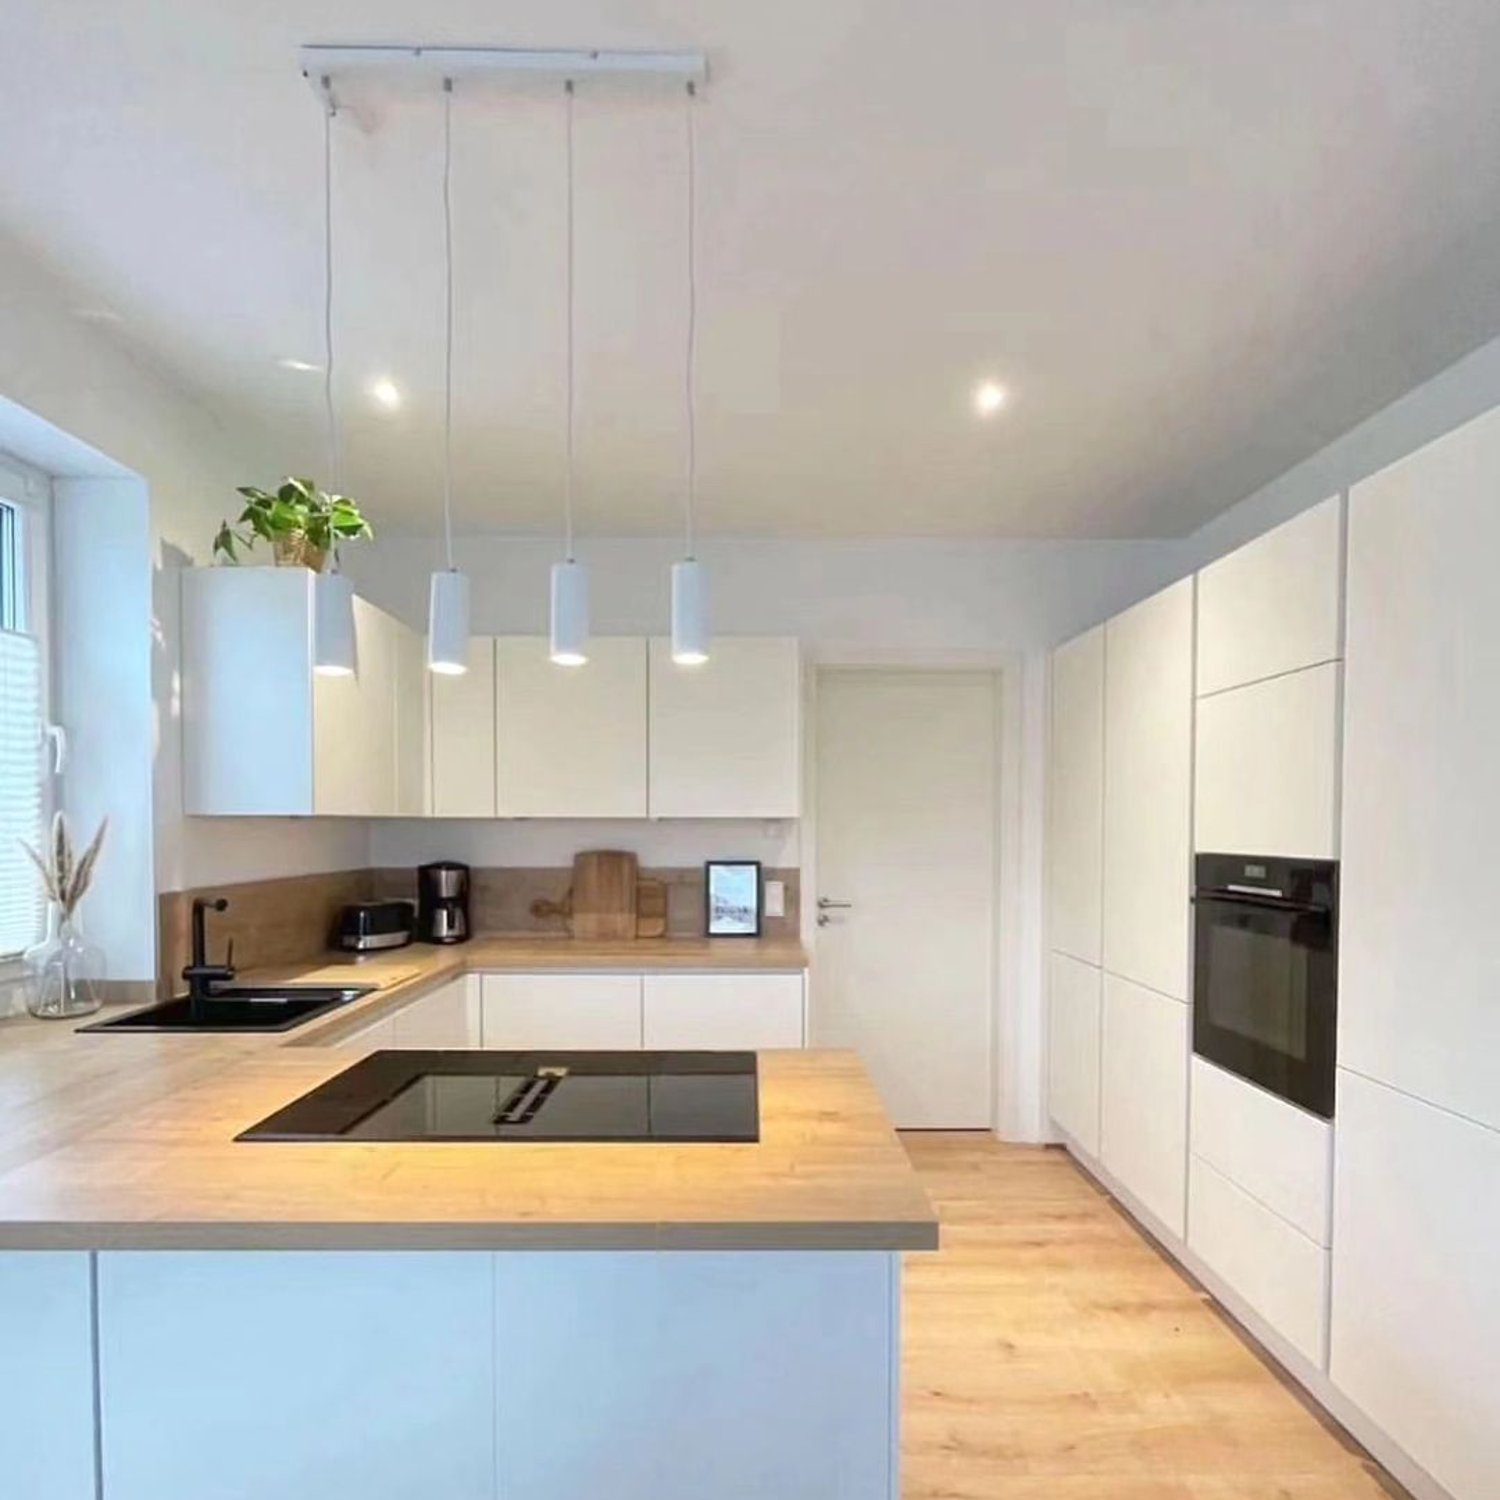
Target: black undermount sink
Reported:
point(263, 1008)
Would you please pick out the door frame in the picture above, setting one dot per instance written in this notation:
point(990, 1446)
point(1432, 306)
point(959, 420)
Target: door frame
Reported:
point(1016, 1031)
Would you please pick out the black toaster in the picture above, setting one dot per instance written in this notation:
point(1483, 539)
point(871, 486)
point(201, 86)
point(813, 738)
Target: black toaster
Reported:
point(368, 926)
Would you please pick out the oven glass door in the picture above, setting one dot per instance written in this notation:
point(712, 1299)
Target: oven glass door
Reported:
point(1264, 993)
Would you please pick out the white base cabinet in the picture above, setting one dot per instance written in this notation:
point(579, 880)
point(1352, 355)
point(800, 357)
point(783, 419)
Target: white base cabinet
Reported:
point(1144, 1108)
point(1075, 1002)
point(590, 1012)
point(449, 1017)
point(46, 1372)
point(723, 1012)
point(466, 1376)
point(1416, 1297)
point(1278, 1270)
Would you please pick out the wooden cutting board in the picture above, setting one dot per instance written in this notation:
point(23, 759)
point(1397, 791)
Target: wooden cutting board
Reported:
point(604, 882)
point(651, 908)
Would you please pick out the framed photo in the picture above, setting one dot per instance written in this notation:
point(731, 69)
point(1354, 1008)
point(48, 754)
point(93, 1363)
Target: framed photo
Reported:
point(732, 897)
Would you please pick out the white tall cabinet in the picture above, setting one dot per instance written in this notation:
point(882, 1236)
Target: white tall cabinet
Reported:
point(1416, 1301)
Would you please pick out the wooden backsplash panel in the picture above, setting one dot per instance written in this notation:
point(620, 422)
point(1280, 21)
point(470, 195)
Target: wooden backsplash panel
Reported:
point(271, 921)
point(500, 899)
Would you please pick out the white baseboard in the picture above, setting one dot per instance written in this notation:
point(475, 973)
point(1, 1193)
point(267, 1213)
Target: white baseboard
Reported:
point(1315, 1381)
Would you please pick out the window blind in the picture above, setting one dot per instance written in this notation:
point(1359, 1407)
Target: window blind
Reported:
point(20, 789)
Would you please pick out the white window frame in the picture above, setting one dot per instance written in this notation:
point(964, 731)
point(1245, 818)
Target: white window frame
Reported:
point(29, 492)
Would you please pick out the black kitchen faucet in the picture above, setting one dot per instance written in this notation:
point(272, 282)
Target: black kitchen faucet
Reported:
point(201, 975)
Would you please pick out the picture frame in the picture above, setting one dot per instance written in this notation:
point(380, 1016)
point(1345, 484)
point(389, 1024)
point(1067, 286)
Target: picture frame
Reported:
point(732, 898)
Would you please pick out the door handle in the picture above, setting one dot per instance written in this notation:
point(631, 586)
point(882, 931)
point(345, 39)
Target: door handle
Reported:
point(827, 904)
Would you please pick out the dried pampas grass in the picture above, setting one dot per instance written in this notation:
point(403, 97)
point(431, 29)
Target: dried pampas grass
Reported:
point(65, 879)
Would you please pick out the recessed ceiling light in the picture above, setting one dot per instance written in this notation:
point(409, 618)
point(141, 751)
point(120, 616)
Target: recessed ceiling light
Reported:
point(300, 365)
point(989, 397)
point(385, 392)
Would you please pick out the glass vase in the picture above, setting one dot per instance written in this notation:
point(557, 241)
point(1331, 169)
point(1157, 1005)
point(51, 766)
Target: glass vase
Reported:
point(63, 971)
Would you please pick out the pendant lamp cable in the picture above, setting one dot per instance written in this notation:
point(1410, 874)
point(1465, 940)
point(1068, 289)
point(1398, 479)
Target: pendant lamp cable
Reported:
point(568, 486)
point(448, 321)
point(335, 456)
point(691, 363)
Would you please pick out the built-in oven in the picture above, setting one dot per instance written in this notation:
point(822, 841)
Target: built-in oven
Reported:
point(1265, 972)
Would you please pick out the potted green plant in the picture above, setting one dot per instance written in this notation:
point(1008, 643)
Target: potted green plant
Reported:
point(302, 523)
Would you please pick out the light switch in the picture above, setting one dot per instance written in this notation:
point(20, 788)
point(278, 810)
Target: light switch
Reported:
point(775, 898)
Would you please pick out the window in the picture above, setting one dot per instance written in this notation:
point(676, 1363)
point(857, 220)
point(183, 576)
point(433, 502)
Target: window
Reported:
point(23, 708)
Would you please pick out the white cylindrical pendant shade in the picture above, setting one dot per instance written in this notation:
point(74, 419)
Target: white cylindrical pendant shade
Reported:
point(448, 623)
point(689, 614)
point(570, 613)
point(335, 653)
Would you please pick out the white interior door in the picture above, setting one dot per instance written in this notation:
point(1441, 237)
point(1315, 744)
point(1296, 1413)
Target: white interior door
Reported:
point(906, 887)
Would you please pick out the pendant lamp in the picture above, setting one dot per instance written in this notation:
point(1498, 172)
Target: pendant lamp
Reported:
point(689, 586)
point(448, 596)
point(570, 579)
point(335, 652)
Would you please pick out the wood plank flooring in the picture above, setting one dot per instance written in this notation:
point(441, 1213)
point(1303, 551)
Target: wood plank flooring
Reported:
point(1052, 1353)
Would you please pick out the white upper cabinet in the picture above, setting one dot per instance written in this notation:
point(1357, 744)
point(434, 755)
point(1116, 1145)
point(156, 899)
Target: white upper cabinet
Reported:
point(726, 736)
point(462, 731)
point(1419, 965)
point(1273, 605)
point(1266, 772)
point(1148, 758)
point(262, 733)
point(571, 741)
point(1075, 814)
point(413, 784)
point(354, 724)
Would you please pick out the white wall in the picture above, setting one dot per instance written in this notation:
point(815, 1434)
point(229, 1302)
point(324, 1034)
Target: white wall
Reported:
point(75, 402)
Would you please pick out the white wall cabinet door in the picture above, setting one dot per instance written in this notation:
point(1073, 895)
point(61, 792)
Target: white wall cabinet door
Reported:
point(727, 1012)
point(386, 1363)
point(354, 724)
point(1144, 1108)
point(558, 1011)
point(1266, 771)
point(463, 736)
point(1074, 1020)
point(449, 1017)
point(46, 1371)
point(247, 691)
point(1419, 966)
point(726, 736)
point(1148, 758)
point(1273, 605)
point(1416, 1301)
point(413, 774)
point(1075, 797)
point(571, 741)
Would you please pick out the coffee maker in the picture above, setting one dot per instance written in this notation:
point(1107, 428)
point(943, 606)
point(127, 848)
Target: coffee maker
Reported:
point(443, 902)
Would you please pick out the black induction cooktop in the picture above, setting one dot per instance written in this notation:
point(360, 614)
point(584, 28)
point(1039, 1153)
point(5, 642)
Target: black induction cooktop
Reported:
point(528, 1096)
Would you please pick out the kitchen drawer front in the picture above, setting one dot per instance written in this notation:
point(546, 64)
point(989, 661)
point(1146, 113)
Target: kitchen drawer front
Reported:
point(1279, 1154)
point(1266, 771)
point(1273, 605)
point(449, 1017)
point(723, 1011)
point(1075, 1000)
point(1279, 1272)
point(555, 1012)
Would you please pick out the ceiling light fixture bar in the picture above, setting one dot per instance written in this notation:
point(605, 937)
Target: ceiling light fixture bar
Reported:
point(321, 64)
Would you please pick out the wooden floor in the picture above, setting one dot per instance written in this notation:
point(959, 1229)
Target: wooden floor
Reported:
point(1052, 1353)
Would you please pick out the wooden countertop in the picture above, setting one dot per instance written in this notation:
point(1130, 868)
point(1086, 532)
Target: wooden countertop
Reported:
point(166, 1173)
point(127, 1141)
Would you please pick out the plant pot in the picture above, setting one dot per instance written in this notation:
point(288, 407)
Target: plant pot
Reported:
point(62, 971)
point(293, 550)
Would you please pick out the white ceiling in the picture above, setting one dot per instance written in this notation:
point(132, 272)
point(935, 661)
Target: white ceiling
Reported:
point(1196, 240)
